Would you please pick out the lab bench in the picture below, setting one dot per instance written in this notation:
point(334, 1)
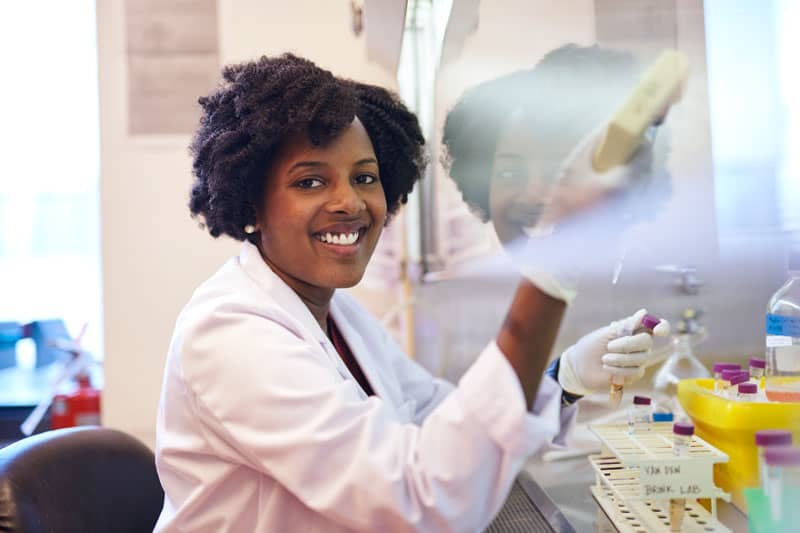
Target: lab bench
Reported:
point(555, 495)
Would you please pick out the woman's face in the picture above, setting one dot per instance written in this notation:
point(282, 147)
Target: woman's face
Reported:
point(323, 210)
point(523, 171)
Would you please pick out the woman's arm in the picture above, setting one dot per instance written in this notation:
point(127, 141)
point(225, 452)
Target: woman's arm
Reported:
point(270, 400)
point(528, 334)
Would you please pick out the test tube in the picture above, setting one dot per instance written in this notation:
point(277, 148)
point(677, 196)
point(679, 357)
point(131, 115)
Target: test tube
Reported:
point(718, 368)
point(747, 392)
point(639, 414)
point(765, 439)
point(725, 380)
point(682, 438)
point(681, 442)
point(618, 383)
point(757, 367)
point(732, 378)
point(783, 474)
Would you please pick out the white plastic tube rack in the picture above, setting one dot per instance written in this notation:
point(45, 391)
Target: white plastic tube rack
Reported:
point(637, 476)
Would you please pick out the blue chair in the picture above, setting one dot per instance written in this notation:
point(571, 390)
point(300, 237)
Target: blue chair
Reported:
point(10, 333)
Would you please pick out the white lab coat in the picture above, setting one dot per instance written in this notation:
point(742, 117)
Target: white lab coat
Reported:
point(261, 426)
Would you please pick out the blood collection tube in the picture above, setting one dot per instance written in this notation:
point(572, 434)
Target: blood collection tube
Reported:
point(718, 368)
point(681, 443)
point(747, 392)
point(618, 383)
point(639, 414)
point(765, 439)
point(757, 367)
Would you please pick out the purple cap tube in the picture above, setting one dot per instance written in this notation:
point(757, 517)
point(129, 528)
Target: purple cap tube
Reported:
point(758, 363)
point(650, 321)
point(782, 456)
point(683, 428)
point(641, 400)
point(748, 388)
point(773, 437)
point(739, 377)
point(719, 367)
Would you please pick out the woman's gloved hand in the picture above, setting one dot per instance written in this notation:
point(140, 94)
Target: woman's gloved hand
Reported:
point(620, 349)
point(576, 214)
point(579, 186)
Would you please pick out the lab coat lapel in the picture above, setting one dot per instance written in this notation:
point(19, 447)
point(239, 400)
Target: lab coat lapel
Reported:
point(255, 267)
point(362, 354)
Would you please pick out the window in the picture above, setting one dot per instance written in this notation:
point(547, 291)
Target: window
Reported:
point(49, 238)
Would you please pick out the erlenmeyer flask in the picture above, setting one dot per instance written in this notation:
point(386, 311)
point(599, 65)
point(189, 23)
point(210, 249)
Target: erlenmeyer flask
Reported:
point(682, 363)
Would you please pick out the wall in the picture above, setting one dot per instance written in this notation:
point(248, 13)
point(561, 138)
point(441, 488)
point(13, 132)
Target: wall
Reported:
point(153, 254)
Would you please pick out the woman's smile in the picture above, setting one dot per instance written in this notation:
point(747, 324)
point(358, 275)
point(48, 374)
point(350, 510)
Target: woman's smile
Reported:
point(342, 239)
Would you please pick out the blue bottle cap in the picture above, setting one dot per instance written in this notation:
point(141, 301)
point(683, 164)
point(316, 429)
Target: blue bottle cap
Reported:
point(663, 417)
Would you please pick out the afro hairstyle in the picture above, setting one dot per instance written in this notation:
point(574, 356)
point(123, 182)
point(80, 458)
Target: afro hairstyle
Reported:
point(259, 104)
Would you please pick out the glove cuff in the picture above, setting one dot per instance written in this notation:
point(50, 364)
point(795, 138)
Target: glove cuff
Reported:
point(568, 378)
point(564, 289)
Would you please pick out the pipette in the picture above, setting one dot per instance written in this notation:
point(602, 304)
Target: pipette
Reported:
point(618, 382)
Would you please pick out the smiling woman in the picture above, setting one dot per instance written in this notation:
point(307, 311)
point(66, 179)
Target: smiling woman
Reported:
point(285, 405)
point(325, 208)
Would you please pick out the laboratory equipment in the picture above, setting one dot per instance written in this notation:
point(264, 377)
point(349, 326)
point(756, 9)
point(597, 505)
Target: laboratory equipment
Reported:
point(639, 414)
point(783, 337)
point(681, 442)
point(757, 366)
point(767, 438)
point(730, 379)
point(783, 476)
point(730, 426)
point(718, 368)
point(682, 438)
point(747, 392)
point(736, 378)
point(663, 417)
point(617, 382)
point(637, 474)
point(682, 363)
point(660, 86)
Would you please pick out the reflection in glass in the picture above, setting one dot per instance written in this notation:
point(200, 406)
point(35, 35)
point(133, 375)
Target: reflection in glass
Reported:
point(511, 141)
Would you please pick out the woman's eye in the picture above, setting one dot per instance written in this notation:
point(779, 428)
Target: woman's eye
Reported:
point(366, 179)
point(512, 176)
point(309, 183)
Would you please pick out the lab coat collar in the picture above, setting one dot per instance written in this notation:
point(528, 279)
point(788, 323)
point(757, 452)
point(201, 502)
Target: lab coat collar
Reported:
point(359, 349)
point(258, 270)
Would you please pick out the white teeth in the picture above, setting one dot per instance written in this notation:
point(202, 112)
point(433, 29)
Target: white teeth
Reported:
point(341, 239)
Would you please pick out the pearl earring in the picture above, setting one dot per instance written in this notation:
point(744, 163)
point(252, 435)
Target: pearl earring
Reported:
point(249, 229)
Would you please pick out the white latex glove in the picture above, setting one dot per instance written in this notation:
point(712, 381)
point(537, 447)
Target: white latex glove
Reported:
point(578, 186)
point(621, 349)
point(573, 220)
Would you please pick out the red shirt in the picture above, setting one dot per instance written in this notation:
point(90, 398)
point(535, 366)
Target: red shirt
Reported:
point(348, 358)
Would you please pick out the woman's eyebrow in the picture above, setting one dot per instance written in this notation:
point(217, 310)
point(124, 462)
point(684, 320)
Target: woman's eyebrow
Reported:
point(366, 160)
point(306, 164)
point(506, 155)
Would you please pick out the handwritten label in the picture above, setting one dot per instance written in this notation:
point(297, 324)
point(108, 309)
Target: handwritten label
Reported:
point(674, 479)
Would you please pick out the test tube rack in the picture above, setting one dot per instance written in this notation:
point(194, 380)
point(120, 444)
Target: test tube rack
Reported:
point(638, 474)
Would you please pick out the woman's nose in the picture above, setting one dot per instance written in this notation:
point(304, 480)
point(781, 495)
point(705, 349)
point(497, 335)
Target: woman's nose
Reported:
point(347, 199)
point(535, 191)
